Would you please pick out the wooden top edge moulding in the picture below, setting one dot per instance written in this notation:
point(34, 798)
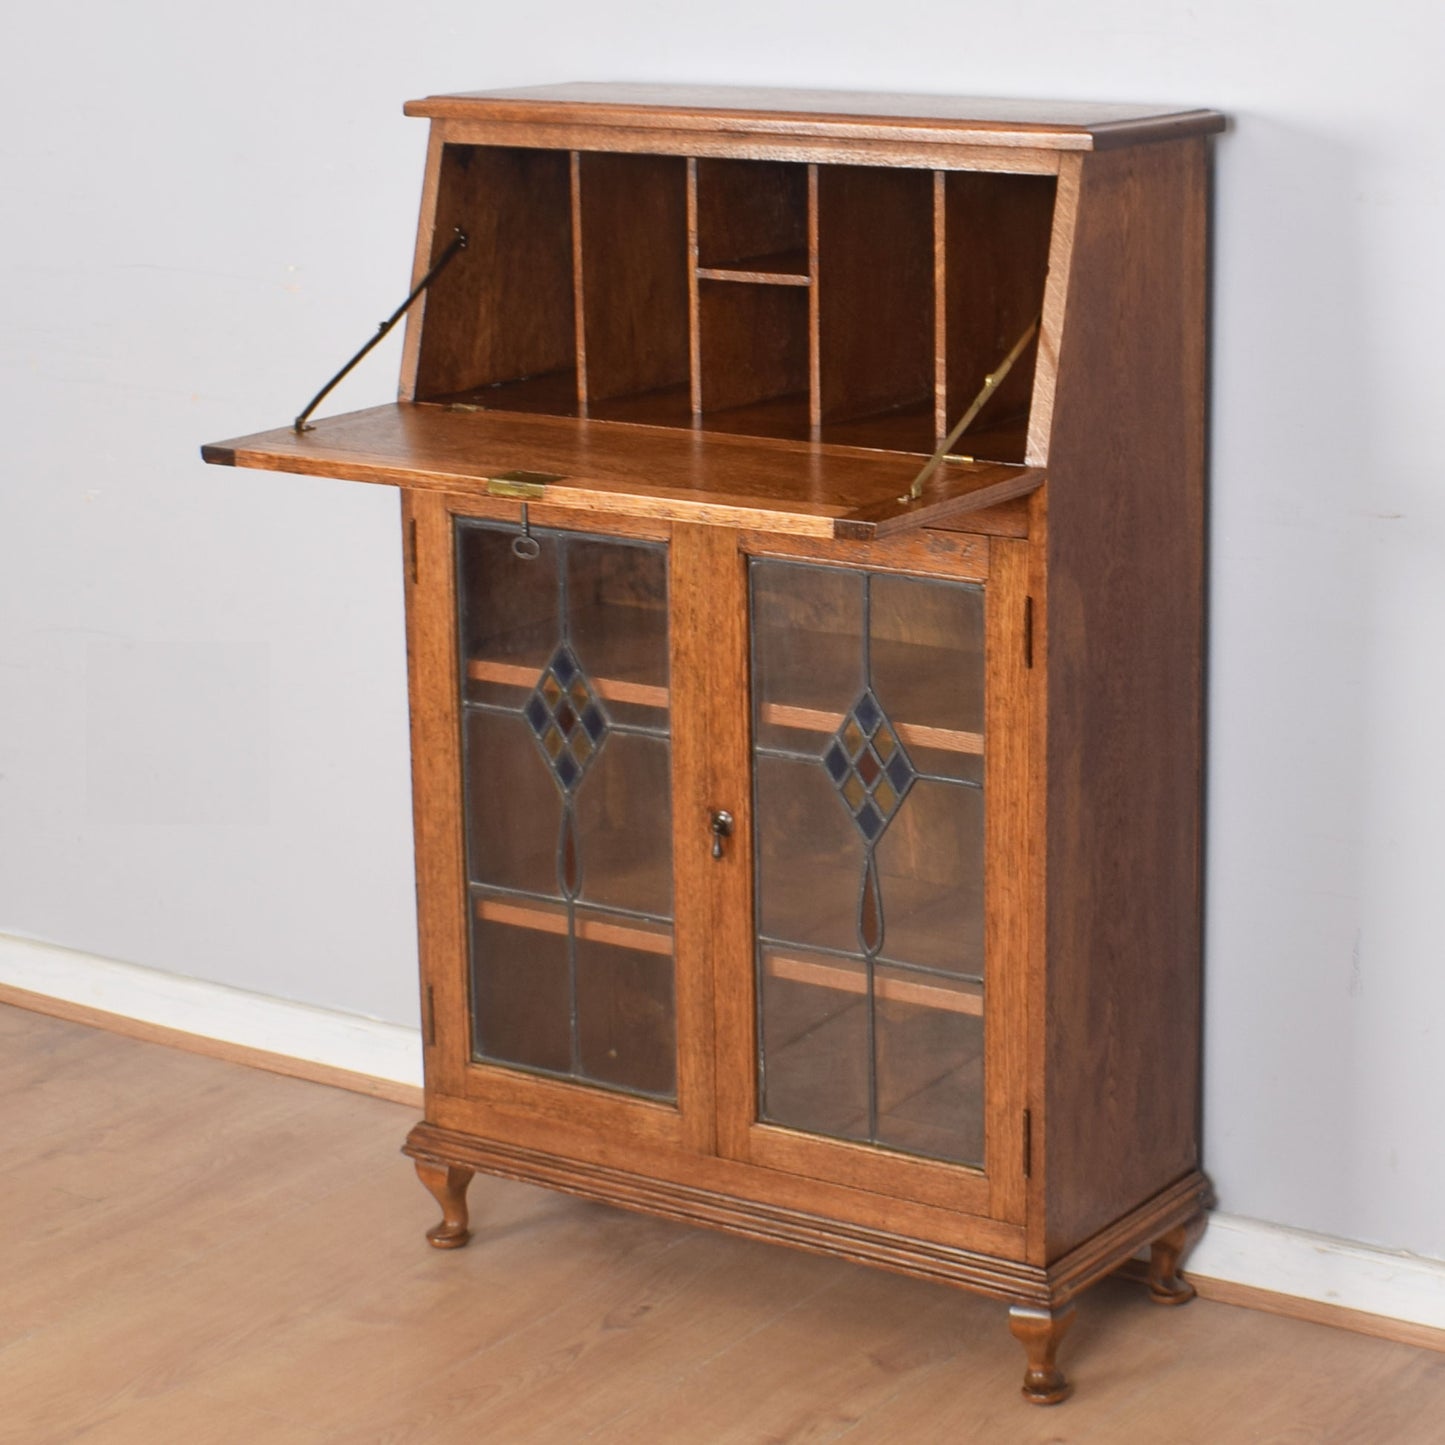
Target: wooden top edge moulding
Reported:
point(838, 114)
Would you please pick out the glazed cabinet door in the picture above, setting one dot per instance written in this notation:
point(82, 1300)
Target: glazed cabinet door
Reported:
point(878, 1012)
point(542, 674)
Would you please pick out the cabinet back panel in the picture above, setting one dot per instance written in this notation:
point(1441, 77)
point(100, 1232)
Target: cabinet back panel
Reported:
point(633, 236)
point(753, 346)
point(502, 310)
point(996, 256)
point(875, 289)
point(747, 209)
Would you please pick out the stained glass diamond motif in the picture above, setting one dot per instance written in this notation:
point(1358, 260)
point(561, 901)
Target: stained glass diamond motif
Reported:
point(566, 717)
point(869, 766)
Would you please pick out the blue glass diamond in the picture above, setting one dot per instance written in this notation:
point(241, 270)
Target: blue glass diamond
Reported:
point(564, 667)
point(536, 714)
point(867, 713)
point(837, 762)
point(567, 769)
point(900, 771)
point(870, 821)
point(594, 722)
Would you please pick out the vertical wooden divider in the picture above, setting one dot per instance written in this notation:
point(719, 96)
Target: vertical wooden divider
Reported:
point(941, 422)
point(815, 340)
point(694, 307)
point(711, 770)
point(577, 298)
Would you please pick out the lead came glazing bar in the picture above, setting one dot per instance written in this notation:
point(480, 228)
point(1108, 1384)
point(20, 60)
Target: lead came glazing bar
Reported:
point(869, 865)
point(568, 814)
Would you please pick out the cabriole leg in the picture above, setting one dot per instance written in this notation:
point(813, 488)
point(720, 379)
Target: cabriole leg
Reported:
point(1039, 1331)
point(1166, 1285)
point(448, 1186)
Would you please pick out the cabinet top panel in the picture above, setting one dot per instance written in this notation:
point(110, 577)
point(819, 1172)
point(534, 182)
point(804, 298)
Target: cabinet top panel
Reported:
point(833, 114)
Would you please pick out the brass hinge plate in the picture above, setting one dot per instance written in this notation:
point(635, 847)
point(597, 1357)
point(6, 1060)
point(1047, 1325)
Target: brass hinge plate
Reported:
point(524, 486)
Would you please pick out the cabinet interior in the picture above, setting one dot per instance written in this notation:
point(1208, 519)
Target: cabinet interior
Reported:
point(849, 304)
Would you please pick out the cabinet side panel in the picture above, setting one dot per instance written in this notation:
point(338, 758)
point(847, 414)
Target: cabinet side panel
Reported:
point(1125, 692)
point(502, 311)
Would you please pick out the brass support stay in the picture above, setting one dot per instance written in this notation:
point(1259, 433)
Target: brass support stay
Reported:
point(991, 384)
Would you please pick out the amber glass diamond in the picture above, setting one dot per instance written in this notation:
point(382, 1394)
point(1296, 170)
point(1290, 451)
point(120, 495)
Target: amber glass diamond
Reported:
point(871, 777)
point(566, 717)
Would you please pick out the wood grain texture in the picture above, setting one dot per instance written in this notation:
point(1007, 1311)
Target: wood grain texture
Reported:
point(421, 260)
point(943, 499)
point(570, 1142)
point(1125, 685)
point(447, 1184)
point(709, 631)
point(605, 467)
point(1035, 890)
point(579, 134)
point(275, 1287)
point(1167, 1285)
point(633, 228)
point(1013, 766)
point(503, 309)
point(1041, 1332)
point(1051, 319)
point(752, 345)
point(753, 1217)
point(694, 303)
point(997, 231)
point(428, 559)
point(1064, 125)
point(771, 311)
point(926, 552)
point(875, 290)
point(748, 209)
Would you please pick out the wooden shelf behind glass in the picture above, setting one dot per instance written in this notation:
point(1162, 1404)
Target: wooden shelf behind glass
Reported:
point(635, 933)
point(815, 720)
point(961, 996)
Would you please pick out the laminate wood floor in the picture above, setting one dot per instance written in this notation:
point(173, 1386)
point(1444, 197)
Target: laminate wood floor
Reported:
point(195, 1251)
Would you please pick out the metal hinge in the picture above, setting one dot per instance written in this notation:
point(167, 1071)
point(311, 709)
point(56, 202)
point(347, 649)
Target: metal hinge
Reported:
point(1028, 1143)
point(412, 566)
point(527, 486)
point(431, 1016)
point(1028, 631)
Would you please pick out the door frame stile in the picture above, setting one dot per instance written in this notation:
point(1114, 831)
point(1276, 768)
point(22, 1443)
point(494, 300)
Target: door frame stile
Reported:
point(441, 891)
point(1012, 668)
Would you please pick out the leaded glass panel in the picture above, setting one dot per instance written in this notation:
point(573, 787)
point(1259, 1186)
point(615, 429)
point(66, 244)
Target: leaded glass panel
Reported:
point(868, 771)
point(565, 731)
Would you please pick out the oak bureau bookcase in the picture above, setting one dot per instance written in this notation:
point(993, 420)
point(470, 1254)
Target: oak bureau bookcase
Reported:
point(803, 501)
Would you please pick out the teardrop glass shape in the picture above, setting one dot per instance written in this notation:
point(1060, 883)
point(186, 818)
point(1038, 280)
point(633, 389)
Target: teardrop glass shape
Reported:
point(870, 909)
point(567, 870)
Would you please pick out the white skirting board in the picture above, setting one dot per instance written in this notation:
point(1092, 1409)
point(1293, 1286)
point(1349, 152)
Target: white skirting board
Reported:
point(214, 1011)
point(1234, 1250)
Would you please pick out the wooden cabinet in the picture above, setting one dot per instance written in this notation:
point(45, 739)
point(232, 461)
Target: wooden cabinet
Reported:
point(807, 812)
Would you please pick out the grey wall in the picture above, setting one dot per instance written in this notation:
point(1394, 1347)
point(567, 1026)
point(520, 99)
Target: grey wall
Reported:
point(203, 753)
